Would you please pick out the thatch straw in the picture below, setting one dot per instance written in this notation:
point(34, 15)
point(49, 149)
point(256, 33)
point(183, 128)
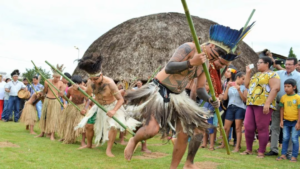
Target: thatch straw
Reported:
point(138, 46)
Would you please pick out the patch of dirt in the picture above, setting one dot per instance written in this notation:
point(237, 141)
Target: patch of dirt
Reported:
point(152, 155)
point(207, 165)
point(161, 144)
point(8, 144)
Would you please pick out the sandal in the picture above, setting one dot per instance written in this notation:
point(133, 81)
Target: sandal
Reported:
point(280, 158)
point(260, 156)
point(246, 153)
point(293, 160)
point(220, 147)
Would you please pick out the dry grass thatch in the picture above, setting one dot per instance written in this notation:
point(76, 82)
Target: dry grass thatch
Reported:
point(138, 46)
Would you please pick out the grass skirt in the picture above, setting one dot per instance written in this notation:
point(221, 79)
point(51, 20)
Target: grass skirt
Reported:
point(29, 114)
point(147, 101)
point(103, 123)
point(70, 119)
point(51, 111)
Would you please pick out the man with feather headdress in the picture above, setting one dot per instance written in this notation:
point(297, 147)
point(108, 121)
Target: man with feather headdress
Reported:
point(51, 110)
point(96, 121)
point(165, 102)
point(13, 87)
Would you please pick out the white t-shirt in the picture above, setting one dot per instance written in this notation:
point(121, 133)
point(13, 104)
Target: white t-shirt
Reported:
point(2, 90)
point(14, 87)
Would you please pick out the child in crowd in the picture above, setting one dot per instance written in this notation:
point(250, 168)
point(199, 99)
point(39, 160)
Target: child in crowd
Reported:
point(213, 120)
point(290, 119)
point(29, 115)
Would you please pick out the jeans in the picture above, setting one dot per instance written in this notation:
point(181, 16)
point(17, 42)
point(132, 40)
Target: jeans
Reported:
point(13, 105)
point(4, 108)
point(39, 108)
point(289, 130)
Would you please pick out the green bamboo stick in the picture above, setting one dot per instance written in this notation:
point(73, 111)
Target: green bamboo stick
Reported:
point(191, 24)
point(65, 97)
point(154, 73)
point(48, 86)
point(93, 100)
point(31, 85)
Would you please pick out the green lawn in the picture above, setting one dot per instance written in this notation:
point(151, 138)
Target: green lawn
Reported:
point(43, 153)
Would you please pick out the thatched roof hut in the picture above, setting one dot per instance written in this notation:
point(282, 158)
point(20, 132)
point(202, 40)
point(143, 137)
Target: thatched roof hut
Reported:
point(137, 47)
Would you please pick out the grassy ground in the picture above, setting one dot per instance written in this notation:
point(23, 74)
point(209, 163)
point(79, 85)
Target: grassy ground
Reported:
point(43, 153)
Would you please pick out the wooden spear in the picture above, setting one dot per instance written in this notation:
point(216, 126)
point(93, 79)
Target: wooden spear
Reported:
point(93, 100)
point(195, 38)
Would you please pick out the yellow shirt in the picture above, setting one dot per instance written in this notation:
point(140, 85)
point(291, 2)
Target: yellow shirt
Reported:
point(259, 89)
point(290, 104)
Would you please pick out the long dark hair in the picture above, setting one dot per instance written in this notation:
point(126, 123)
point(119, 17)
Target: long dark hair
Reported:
point(233, 75)
point(266, 59)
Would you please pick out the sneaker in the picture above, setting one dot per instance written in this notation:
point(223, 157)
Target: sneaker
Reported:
point(271, 153)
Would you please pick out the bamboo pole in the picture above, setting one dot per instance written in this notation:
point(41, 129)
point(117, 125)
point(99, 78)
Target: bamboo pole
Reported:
point(48, 86)
point(93, 100)
point(191, 25)
point(65, 97)
point(31, 85)
point(154, 73)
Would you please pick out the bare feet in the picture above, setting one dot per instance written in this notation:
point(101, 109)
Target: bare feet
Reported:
point(145, 150)
point(41, 135)
point(189, 166)
point(122, 142)
point(48, 135)
point(83, 144)
point(33, 133)
point(109, 154)
point(128, 152)
point(52, 138)
point(84, 147)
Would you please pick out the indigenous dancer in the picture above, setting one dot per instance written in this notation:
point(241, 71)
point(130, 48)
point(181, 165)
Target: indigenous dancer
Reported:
point(51, 108)
point(107, 94)
point(71, 116)
point(165, 100)
point(29, 116)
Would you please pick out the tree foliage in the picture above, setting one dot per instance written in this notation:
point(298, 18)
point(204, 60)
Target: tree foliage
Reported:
point(291, 53)
point(30, 73)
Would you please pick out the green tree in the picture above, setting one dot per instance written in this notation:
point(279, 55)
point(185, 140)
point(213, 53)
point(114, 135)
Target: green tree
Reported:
point(291, 54)
point(30, 73)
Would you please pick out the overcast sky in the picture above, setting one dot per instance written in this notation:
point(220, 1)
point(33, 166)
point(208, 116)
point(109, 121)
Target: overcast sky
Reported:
point(48, 30)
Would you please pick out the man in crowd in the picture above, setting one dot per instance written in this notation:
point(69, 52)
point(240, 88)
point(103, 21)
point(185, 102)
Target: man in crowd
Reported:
point(37, 87)
point(298, 66)
point(2, 93)
point(289, 73)
point(268, 53)
point(13, 87)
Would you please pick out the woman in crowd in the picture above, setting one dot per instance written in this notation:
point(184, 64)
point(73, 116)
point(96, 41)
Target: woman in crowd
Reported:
point(230, 75)
point(263, 88)
point(236, 95)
